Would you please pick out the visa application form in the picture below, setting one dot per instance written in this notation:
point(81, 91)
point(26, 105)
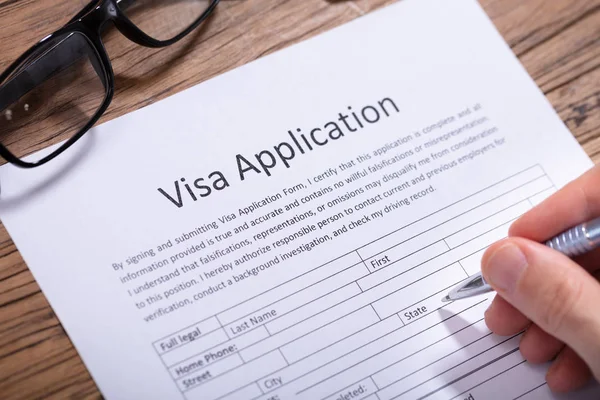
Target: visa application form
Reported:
point(287, 230)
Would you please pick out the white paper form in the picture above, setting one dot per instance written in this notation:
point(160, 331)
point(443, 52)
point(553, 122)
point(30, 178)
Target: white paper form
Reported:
point(287, 230)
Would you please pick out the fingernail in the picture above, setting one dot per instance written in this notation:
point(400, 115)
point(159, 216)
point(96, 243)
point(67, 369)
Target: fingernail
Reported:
point(504, 268)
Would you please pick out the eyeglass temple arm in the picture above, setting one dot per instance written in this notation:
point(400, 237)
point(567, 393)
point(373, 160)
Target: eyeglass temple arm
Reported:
point(123, 4)
point(56, 59)
point(89, 7)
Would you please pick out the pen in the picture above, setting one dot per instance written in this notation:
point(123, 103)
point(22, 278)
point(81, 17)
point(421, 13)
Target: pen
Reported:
point(573, 242)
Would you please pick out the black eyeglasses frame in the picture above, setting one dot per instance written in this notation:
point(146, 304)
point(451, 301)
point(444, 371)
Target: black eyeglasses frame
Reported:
point(90, 22)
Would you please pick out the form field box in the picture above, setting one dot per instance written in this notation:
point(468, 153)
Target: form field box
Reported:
point(481, 242)
point(329, 334)
point(240, 377)
point(203, 375)
point(247, 392)
point(187, 335)
point(479, 228)
point(405, 264)
point(472, 263)
point(426, 306)
point(513, 383)
point(538, 198)
point(313, 307)
point(418, 290)
point(206, 357)
point(296, 301)
point(408, 249)
point(197, 346)
point(510, 191)
point(285, 289)
point(359, 391)
point(371, 397)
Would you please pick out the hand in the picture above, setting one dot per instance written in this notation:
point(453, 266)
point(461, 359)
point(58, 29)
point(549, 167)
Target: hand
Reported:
point(556, 299)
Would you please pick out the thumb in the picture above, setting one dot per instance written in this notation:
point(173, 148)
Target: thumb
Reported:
point(550, 289)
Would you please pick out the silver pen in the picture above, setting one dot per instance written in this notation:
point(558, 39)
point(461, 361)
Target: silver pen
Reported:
point(573, 242)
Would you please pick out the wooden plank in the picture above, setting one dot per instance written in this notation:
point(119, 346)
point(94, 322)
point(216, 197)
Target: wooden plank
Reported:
point(558, 42)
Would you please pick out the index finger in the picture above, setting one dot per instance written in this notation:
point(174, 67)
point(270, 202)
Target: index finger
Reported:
point(577, 202)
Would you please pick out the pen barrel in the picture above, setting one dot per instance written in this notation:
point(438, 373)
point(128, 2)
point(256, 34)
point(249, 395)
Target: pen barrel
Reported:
point(577, 241)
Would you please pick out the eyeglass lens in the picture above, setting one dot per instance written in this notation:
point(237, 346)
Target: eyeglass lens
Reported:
point(51, 96)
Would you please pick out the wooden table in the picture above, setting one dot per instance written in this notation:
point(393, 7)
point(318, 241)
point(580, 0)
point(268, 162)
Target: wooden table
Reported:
point(558, 41)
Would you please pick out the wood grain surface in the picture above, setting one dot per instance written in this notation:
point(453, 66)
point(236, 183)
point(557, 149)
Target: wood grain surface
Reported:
point(558, 41)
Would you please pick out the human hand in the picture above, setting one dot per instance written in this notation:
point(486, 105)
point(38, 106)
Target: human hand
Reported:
point(556, 299)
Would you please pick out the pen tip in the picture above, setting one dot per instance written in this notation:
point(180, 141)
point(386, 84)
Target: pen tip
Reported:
point(446, 299)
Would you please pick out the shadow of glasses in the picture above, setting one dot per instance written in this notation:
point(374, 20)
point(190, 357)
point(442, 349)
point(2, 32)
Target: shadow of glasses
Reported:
point(81, 149)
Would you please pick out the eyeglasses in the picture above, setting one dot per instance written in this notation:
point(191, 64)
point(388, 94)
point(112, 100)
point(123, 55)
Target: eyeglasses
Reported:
point(59, 88)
